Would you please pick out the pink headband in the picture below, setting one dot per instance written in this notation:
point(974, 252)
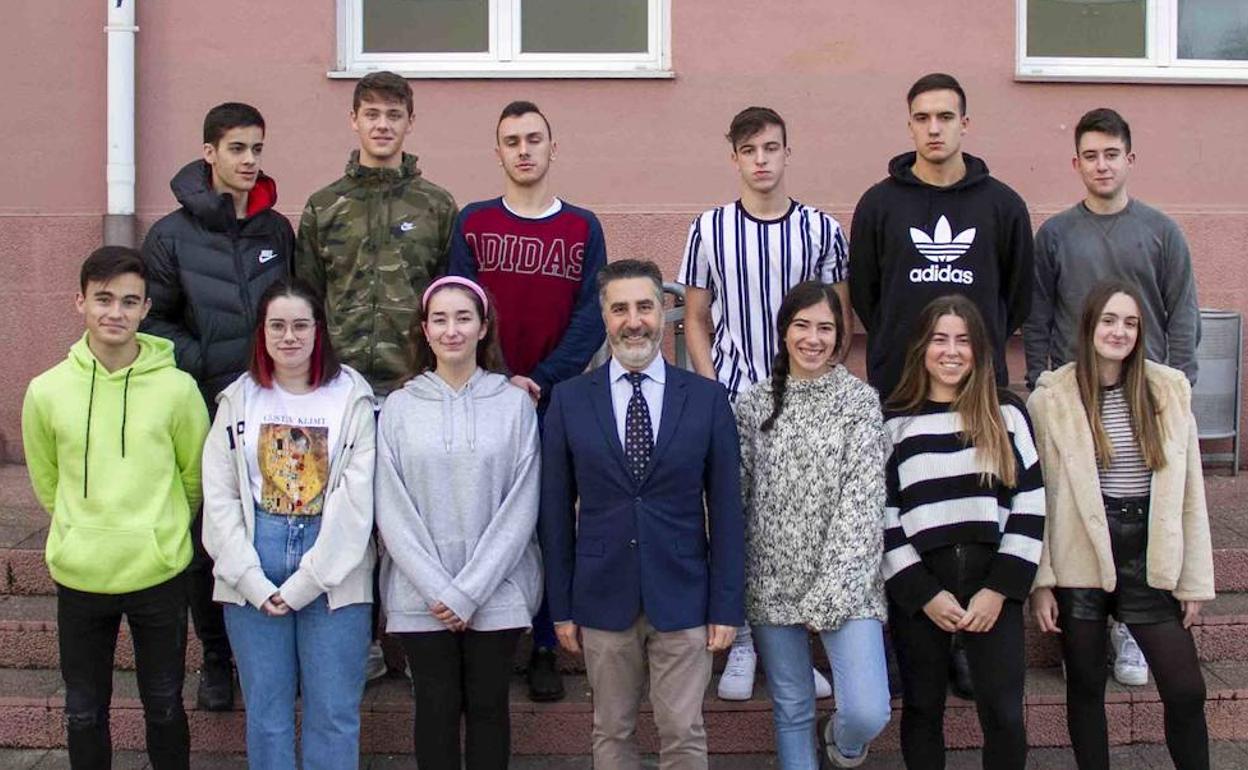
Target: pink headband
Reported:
point(455, 280)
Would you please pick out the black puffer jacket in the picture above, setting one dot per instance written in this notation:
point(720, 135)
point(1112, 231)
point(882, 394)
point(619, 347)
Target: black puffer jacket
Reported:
point(207, 269)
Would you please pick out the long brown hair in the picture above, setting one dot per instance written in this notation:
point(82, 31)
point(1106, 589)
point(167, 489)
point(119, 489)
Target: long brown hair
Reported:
point(976, 402)
point(489, 355)
point(803, 295)
point(1142, 404)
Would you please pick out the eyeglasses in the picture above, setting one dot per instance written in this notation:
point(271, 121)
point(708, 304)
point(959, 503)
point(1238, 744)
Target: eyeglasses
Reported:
point(301, 327)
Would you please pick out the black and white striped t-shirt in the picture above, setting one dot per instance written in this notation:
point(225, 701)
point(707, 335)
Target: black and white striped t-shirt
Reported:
point(935, 498)
point(1127, 475)
point(748, 265)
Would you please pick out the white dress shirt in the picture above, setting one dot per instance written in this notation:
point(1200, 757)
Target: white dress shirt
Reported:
point(654, 379)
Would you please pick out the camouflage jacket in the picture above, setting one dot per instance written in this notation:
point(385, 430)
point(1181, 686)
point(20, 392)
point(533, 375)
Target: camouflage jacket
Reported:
point(370, 242)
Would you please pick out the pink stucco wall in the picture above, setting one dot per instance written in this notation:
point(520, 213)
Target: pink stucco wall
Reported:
point(645, 154)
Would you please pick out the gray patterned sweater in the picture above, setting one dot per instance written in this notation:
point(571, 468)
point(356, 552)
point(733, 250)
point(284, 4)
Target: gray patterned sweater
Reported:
point(813, 488)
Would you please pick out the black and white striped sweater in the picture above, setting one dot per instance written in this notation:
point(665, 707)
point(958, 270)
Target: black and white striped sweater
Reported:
point(935, 498)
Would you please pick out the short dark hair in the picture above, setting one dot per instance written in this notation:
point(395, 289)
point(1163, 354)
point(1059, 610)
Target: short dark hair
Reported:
point(751, 120)
point(1103, 120)
point(324, 364)
point(108, 262)
point(383, 85)
point(230, 115)
point(521, 107)
point(630, 268)
point(937, 81)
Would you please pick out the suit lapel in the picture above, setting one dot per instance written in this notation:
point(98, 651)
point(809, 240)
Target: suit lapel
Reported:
point(673, 406)
point(600, 394)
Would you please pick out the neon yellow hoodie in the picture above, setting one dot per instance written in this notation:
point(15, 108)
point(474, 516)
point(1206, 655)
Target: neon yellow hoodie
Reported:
point(115, 458)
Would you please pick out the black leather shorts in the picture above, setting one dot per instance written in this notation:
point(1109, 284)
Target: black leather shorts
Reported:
point(1133, 600)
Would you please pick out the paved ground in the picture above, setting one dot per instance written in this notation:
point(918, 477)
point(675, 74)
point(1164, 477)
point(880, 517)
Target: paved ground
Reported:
point(1227, 498)
point(1226, 756)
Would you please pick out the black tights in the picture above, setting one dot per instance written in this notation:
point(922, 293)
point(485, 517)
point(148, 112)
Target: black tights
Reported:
point(462, 677)
point(1171, 653)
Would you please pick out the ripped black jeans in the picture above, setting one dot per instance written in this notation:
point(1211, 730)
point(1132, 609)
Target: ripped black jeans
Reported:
point(87, 626)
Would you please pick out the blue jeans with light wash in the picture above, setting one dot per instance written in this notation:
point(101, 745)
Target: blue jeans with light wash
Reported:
point(316, 653)
point(859, 680)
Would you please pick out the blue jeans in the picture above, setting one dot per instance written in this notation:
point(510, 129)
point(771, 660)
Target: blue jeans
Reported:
point(316, 653)
point(860, 683)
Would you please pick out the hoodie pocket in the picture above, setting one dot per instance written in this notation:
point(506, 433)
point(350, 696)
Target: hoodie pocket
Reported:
point(110, 560)
point(453, 554)
point(523, 586)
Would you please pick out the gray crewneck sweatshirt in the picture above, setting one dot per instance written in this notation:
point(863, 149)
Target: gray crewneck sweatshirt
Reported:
point(456, 495)
point(1077, 248)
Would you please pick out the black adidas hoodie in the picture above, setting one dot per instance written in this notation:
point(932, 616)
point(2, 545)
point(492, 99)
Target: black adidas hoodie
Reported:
point(912, 242)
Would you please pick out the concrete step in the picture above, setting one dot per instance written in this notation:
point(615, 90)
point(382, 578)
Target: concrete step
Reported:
point(24, 573)
point(1225, 755)
point(1221, 634)
point(31, 716)
point(23, 530)
point(28, 638)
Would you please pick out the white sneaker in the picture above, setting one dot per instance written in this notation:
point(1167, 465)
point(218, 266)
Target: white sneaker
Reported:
point(375, 666)
point(737, 681)
point(831, 752)
point(1129, 665)
point(822, 688)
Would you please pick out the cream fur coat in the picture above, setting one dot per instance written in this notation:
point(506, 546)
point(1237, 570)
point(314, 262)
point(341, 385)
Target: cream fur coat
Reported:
point(1076, 536)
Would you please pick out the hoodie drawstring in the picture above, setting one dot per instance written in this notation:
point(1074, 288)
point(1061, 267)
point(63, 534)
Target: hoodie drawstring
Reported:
point(125, 399)
point(448, 418)
point(471, 406)
point(448, 421)
point(86, 445)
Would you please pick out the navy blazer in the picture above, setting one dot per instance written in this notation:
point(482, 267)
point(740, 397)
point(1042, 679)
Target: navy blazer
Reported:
point(671, 546)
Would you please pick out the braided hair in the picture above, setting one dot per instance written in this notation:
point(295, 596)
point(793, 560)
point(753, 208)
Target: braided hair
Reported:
point(803, 295)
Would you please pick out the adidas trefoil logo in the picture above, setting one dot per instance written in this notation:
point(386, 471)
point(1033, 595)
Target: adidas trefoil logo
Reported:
point(942, 245)
point(941, 248)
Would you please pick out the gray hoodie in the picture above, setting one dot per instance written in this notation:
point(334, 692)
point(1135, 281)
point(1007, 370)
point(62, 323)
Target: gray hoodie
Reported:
point(457, 488)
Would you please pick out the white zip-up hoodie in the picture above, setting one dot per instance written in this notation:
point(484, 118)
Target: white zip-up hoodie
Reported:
point(458, 480)
point(340, 562)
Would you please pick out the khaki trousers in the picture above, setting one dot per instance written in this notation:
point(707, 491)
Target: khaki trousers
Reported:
point(680, 669)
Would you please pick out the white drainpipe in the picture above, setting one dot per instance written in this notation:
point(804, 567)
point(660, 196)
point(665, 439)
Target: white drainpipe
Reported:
point(119, 222)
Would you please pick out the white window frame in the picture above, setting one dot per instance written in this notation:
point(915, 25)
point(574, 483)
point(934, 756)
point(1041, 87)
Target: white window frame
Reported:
point(504, 58)
point(1161, 63)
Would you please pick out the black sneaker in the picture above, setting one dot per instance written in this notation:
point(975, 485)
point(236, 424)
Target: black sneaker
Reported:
point(216, 686)
point(960, 672)
point(545, 682)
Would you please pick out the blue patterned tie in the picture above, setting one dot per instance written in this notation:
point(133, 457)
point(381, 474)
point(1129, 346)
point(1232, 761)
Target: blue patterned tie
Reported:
point(638, 438)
